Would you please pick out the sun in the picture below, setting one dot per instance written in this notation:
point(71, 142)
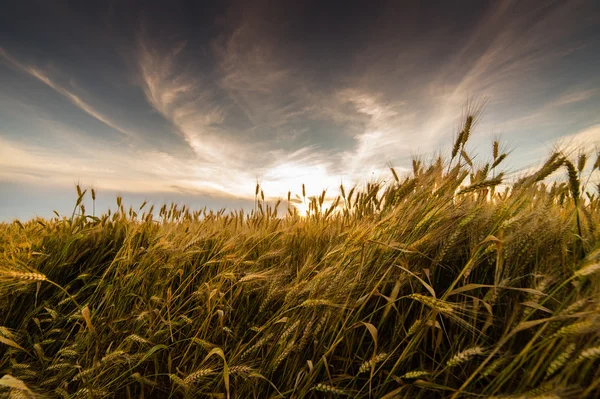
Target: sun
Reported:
point(302, 208)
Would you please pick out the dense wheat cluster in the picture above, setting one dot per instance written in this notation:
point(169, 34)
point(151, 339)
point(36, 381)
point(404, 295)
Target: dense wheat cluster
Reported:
point(448, 283)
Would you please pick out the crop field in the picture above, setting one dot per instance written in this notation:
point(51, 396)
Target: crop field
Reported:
point(450, 282)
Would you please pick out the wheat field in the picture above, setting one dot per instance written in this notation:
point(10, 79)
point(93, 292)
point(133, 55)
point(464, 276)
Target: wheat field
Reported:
point(450, 282)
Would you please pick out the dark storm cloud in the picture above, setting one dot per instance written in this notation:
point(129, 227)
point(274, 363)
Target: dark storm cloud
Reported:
point(209, 96)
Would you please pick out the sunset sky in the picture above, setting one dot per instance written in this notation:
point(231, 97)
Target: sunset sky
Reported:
point(195, 101)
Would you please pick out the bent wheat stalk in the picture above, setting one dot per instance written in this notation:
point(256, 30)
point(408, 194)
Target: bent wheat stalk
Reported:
point(16, 277)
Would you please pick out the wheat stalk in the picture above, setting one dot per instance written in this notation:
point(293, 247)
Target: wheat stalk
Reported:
point(492, 367)
point(22, 276)
point(433, 303)
point(286, 333)
point(326, 388)
point(197, 376)
point(588, 270)
point(67, 352)
point(306, 334)
point(137, 338)
point(91, 392)
point(414, 327)
point(482, 184)
point(286, 352)
point(310, 303)
point(588, 354)
point(560, 360)
point(177, 380)
point(111, 357)
point(59, 366)
point(366, 365)
point(498, 160)
point(580, 327)
point(464, 356)
point(6, 333)
point(415, 374)
point(240, 370)
point(257, 345)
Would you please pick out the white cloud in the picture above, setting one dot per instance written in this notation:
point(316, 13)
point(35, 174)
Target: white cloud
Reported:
point(588, 139)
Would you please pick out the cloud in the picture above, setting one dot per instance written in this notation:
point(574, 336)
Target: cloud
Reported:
point(506, 53)
point(274, 94)
point(587, 138)
point(256, 78)
point(106, 168)
point(506, 45)
point(73, 98)
point(188, 101)
point(388, 130)
point(572, 97)
point(229, 156)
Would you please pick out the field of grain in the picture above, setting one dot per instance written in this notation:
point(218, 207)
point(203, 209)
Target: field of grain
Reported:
point(448, 283)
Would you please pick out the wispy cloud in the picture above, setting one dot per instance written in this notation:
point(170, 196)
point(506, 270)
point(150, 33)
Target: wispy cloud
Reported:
point(229, 156)
point(73, 98)
point(187, 100)
point(572, 97)
point(256, 78)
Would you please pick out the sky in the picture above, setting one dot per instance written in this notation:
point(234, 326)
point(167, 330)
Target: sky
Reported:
point(196, 101)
